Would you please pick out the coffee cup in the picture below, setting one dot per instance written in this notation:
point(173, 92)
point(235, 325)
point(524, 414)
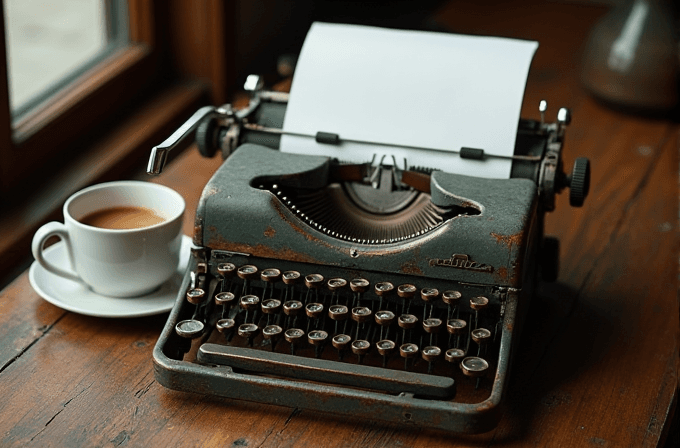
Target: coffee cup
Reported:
point(122, 239)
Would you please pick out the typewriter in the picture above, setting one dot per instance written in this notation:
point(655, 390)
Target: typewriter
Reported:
point(370, 290)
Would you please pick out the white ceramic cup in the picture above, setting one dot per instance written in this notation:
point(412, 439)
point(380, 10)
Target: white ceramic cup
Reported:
point(117, 263)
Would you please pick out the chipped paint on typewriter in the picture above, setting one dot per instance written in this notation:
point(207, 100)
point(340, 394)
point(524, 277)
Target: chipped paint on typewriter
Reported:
point(369, 290)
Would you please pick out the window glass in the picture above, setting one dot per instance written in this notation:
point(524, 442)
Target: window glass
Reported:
point(51, 42)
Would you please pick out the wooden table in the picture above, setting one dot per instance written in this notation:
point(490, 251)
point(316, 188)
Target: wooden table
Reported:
point(597, 365)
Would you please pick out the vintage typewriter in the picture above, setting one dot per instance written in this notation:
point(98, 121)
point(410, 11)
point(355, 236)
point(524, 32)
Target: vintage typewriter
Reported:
point(369, 290)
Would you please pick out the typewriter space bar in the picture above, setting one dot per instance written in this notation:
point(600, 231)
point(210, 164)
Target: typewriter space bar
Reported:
point(298, 367)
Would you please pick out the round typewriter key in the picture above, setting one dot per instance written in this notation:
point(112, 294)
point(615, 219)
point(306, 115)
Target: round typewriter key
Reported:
point(247, 272)
point(384, 318)
point(292, 307)
point(225, 325)
point(224, 298)
point(195, 296)
point(429, 294)
point(190, 328)
point(385, 347)
point(432, 325)
point(271, 306)
point(336, 283)
point(383, 288)
point(409, 350)
point(338, 312)
point(226, 269)
point(359, 285)
point(293, 335)
point(456, 326)
point(314, 281)
point(431, 353)
point(341, 341)
point(481, 336)
point(451, 297)
point(361, 313)
point(271, 331)
point(454, 355)
point(248, 331)
point(249, 302)
point(479, 303)
point(407, 321)
point(474, 366)
point(317, 337)
point(290, 277)
point(406, 291)
point(270, 275)
point(314, 310)
point(360, 347)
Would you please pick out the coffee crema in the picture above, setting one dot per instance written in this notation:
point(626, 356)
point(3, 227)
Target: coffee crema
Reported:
point(125, 217)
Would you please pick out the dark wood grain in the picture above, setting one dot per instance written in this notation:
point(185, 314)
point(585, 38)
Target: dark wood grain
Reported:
point(598, 359)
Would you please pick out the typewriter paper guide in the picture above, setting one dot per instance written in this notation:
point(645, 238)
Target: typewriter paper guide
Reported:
point(412, 88)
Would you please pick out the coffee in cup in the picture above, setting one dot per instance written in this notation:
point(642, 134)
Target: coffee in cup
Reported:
point(122, 238)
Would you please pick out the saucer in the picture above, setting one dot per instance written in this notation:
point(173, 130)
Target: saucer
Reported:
point(78, 298)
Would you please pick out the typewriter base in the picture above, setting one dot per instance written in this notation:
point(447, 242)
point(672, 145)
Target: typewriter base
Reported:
point(403, 408)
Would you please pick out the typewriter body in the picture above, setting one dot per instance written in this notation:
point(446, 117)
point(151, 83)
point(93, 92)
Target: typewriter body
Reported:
point(370, 290)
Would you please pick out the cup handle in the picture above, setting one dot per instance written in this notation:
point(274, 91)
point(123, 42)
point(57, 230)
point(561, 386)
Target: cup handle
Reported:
point(59, 230)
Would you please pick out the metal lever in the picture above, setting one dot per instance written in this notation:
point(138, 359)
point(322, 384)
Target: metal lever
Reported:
point(159, 153)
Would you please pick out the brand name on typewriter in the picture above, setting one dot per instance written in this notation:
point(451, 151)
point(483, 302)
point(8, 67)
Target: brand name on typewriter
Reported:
point(461, 261)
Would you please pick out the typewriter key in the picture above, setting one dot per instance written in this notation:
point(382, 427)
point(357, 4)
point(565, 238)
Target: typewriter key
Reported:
point(317, 338)
point(195, 296)
point(384, 318)
point(340, 342)
point(249, 302)
point(478, 304)
point(360, 348)
point(271, 306)
point(313, 281)
point(385, 348)
point(408, 351)
point(292, 307)
point(225, 299)
point(451, 298)
point(247, 272)
point(358, 287)
point(314, 310)
point(336, 283)
point(454, 355)
point(338, 313)
point(481, 336)
point(474, 367)
point(293, 336)
point(429, 295)
point(190, 328)
point(432, 326)
point(383, 289)
point(273, 334)
point(361, 313)
point(226, 269)
point(406, 322)
point(248, 331)
point(430, 354)
point(290, 277)
point(406, 291)
point(269, 275)
point(225, 326)
point(457, 327)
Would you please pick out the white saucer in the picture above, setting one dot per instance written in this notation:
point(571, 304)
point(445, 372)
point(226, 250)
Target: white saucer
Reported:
point(75, 297)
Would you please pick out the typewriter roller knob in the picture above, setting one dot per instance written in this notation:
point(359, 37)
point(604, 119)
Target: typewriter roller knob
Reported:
point(247, 272)
point(290, 277)
point(474, 367)
point(195, 296)
point(190, 328)
point(454, 355)
point(314, 281)
point(579, 182)
point(271, 306)
point(226, 269)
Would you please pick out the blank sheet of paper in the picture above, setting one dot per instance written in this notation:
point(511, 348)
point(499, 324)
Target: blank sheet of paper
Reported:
point(409, 88)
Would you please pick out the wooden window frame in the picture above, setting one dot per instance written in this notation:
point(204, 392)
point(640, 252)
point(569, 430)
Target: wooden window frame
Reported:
point(103, 125)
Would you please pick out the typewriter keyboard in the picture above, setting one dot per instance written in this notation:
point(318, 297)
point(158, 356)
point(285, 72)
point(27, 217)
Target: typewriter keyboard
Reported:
point(389, 333)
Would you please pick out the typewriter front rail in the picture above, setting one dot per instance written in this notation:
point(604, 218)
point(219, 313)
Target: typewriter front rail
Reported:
point(224, 364)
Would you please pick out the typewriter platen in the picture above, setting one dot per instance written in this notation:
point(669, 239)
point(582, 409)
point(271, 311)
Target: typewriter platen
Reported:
point(360, 289)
